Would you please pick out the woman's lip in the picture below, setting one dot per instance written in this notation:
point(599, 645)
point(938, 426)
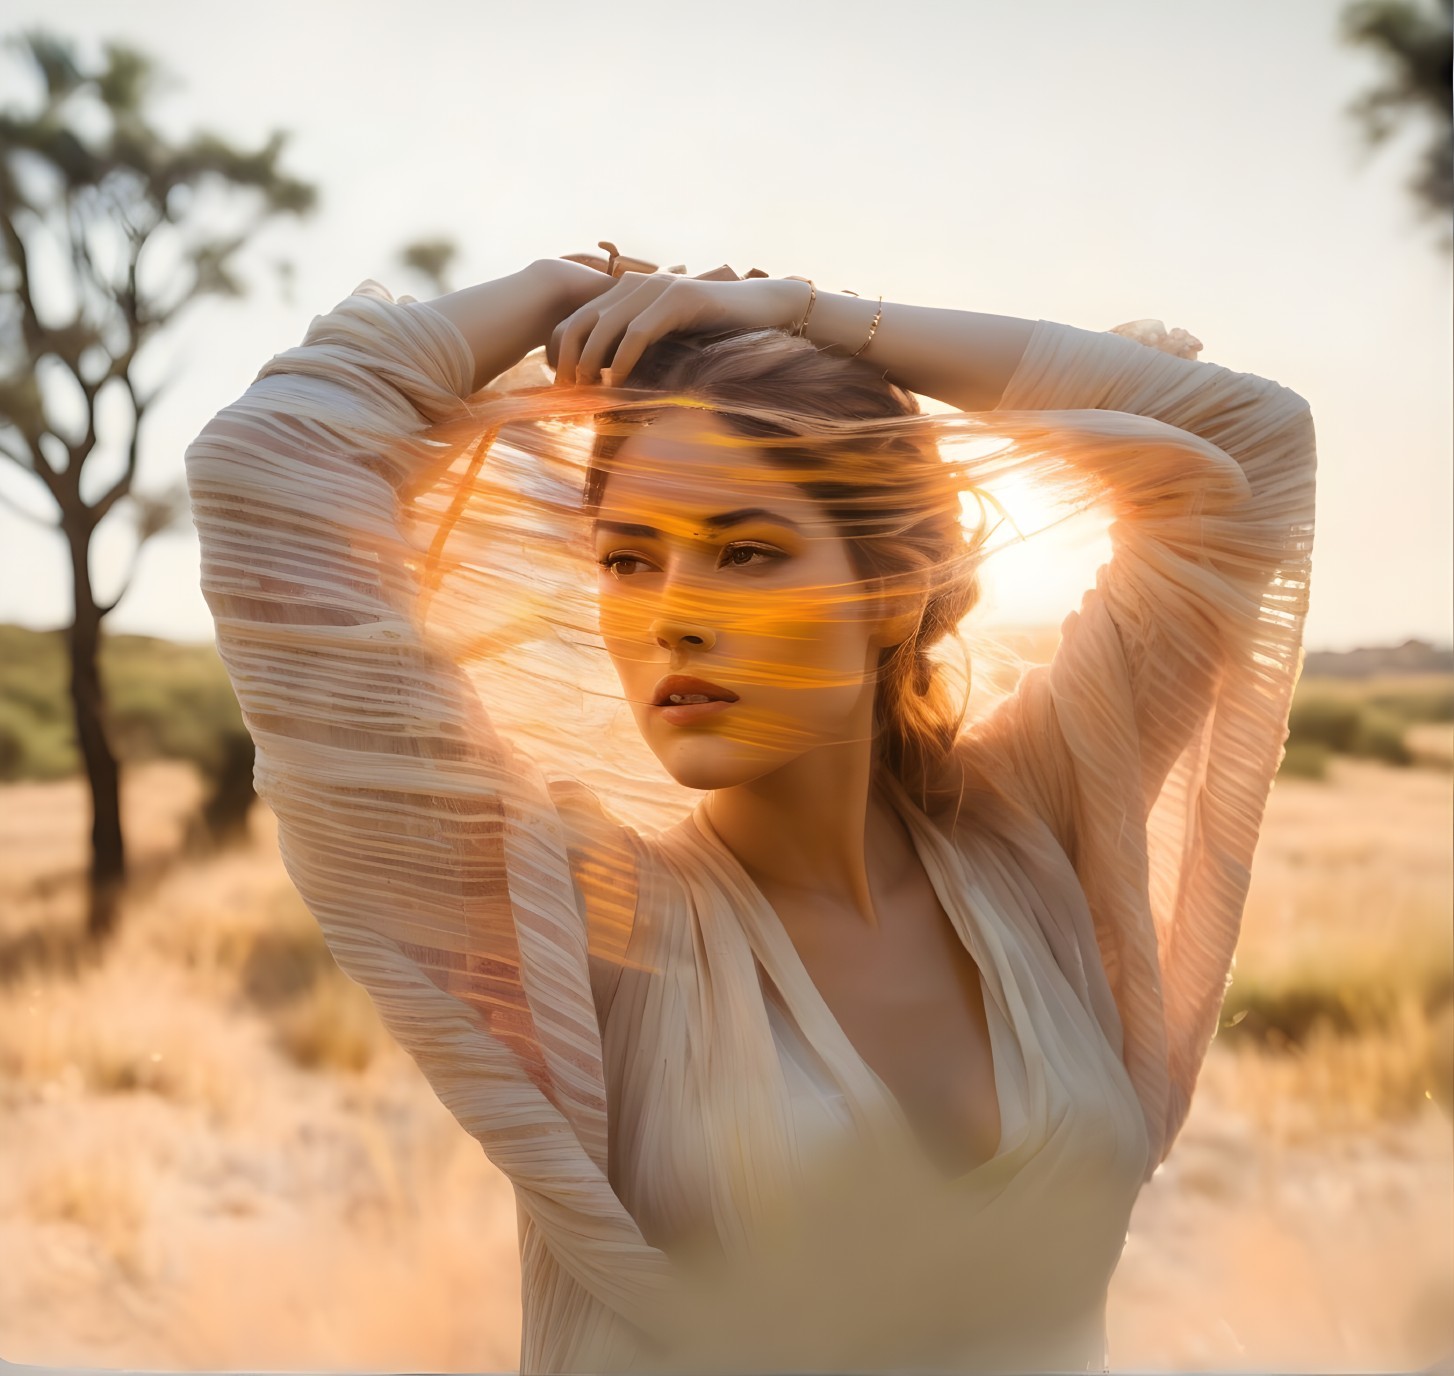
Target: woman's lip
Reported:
point(689, 713)
point(686, 686)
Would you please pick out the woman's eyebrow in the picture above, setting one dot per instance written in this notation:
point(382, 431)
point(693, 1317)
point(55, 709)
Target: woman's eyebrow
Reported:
point(725, 521)
point(619, 528)
point(748, 513)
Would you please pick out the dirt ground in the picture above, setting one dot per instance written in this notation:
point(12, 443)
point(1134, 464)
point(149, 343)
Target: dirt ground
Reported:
point(205, 1166)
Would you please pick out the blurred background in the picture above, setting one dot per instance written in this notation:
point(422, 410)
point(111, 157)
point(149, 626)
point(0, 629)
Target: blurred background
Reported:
point(211, 1156)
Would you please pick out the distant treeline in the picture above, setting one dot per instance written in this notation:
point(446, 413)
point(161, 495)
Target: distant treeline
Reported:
point(167, 700)
point(1412, 657)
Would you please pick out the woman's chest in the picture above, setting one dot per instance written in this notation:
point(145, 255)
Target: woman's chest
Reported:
point(909, 998)
point(731, 1047)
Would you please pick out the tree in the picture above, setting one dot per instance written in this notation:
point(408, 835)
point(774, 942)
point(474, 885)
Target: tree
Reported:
point(431, 259)
point(109, 230)
point(1415, 41)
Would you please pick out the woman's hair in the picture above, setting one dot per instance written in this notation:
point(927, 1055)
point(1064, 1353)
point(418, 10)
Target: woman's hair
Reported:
point(886, 488)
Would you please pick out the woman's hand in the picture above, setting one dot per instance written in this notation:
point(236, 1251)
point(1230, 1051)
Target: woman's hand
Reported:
point(610, 332)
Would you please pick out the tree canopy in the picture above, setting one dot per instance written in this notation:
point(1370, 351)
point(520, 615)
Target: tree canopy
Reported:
point(1415, 43)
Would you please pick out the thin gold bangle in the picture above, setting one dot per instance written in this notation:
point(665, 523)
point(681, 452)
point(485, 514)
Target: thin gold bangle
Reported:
point(812, 297)
point(871, 330)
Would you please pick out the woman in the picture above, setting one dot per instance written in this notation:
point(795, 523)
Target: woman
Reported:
point(858, 1058)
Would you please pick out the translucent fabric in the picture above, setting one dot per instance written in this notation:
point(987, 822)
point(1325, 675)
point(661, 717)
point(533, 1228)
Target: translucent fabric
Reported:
point(708, 1173)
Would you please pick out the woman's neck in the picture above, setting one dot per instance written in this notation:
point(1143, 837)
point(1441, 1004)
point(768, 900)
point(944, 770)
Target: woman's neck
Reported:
point(818, 825)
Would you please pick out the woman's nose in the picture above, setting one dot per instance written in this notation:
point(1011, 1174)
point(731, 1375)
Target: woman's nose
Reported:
point(675, 635)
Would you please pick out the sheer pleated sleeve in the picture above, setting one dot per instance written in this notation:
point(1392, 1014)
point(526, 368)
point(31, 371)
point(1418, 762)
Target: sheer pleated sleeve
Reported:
point(1150, 743)
point(474, 902)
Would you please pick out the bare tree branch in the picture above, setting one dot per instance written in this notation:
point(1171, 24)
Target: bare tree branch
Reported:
point(122, 486)
point(15, 245)
point(34, 464)
point(33, 461)
point(106, 608)
point(155, 513)
point(81, 259)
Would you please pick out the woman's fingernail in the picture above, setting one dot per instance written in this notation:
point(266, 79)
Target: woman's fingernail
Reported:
point(606, 377)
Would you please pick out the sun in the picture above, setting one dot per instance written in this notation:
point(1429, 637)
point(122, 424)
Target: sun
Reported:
point(1043, 561)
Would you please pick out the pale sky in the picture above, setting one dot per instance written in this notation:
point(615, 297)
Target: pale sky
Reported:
point(1085, 162)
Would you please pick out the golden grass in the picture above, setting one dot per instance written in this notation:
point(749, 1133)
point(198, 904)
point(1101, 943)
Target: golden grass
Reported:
point(263, 951)
point(1352, 871)
point(216, 1118)
point(103, 1191)
point(1431, 744)
point(1336, 1082)
point(1343, 985)
point(333, 1026)
point(131, 1026)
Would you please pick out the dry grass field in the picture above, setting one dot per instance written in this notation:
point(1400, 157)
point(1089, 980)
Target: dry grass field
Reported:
point(211, 1156)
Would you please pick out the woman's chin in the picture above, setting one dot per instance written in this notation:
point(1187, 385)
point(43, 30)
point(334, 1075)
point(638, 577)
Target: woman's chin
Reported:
point(708, 762)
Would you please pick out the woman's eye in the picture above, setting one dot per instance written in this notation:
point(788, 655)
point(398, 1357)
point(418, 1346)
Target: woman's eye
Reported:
point(623, 565)
point(743, 556)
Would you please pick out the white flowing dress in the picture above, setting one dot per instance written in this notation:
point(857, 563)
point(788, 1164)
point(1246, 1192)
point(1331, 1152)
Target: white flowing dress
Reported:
point(618, 1015)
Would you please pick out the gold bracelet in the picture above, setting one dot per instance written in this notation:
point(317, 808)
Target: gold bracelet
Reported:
point(871, 330)
point(812, 297)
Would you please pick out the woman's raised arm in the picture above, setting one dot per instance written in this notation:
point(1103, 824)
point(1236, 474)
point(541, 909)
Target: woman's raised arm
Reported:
point(437, 861)
point(1150, 743)
point(964, 358)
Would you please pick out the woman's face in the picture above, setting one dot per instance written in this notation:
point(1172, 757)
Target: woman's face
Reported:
point(721, 579)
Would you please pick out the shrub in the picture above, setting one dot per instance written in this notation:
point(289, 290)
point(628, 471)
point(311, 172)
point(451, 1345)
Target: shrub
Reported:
point(1326, 720)
point(1347, 721)
point(1420, 704)
point(1380, 736)
point(13, 725)
point(1305, 760)
point(33, 747)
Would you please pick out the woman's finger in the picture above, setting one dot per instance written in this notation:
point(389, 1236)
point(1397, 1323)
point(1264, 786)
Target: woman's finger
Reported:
point(570, 336)
point(612, 324)
point(557, 338)
point(573, 332)
point(656, 321)
point(598, 345)
point(552, 348)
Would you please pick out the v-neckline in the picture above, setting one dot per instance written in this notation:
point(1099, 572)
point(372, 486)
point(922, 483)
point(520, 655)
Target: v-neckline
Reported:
point(779, 959)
